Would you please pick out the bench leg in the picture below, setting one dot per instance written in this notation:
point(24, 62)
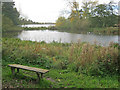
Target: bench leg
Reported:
point(17, 70)
point(41, 75)
point(13, 70)
point(38, 77)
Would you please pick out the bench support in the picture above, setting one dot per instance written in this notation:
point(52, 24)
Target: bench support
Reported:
point(38, 77)
point(41, 75)
point(13, 70)
point(17, 70)
point(38, 74)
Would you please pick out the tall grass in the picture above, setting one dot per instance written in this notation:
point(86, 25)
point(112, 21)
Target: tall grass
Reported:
point(78, 57)
point(94, 59)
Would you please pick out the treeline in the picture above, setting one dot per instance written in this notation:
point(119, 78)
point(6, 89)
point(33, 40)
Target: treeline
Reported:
point(11, 19)
point(24, 21)
point(90, 15)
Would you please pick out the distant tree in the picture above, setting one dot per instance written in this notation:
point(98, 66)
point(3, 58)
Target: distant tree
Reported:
point(74, 9)
point(104, 14)
point(63, 24)
point(91, 15)
point(113, 18)
point(88, 7)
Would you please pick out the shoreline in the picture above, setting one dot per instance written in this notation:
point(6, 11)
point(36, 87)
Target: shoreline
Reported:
point(97, 31)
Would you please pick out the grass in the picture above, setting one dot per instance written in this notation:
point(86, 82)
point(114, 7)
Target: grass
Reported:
point(72, 79)
point(58, 79)
point(79, 65)
point(24, 79)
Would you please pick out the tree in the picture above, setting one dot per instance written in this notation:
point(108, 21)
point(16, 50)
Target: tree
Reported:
point(10, 17)
point(75, 12)
point(63, 23)
point(88, 7)
point(74, 22)
point(9, 11)
point(7, 24)
point(104, 13)
point(91, 15)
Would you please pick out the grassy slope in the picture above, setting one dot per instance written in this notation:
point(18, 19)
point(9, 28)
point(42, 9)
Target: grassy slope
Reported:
point(17, 51)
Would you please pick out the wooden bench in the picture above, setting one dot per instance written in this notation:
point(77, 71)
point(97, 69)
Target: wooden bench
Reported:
point(37, 70)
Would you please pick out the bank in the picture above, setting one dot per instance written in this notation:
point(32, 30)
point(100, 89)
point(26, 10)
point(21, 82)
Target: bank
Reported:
point(79, 65)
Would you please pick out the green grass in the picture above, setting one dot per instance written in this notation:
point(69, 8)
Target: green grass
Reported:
point(58, 79)
point(79, 65)
point(23, 79)
point(72, 79)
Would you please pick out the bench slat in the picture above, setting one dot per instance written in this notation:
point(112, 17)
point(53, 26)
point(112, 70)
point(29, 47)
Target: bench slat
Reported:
point(29, 68)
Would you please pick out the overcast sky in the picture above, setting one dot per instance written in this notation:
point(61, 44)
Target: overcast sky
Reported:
point(45, 10)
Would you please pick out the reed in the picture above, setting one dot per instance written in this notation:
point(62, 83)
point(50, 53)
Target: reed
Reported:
point(79, 57)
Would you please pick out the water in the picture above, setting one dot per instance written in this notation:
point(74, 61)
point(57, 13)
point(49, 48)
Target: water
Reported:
point(64, 37)
point(38, 25)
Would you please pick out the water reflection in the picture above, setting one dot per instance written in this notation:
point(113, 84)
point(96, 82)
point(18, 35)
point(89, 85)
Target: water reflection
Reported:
point(64, 37)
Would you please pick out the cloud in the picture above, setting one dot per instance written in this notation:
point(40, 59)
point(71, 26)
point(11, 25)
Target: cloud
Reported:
point(40, 10)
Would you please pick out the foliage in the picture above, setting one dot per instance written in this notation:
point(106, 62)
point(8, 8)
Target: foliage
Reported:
point(24, 21)
point(91, 15)
point(94, 59)
point(79, 57)
point(9, 11)
point(72, 24)
point(88, 8)
point(10, 17)
point(79, 65)
point(8, 25)
point(62, 23)
point(106, 30)
point(40, 28)
point(104, 14)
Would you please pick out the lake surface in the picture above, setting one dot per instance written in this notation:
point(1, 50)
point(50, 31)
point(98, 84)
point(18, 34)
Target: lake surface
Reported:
point(38, 25)
point(64, 37)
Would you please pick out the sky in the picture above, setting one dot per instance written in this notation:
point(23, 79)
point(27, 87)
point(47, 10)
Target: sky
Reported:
point(45, 10)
